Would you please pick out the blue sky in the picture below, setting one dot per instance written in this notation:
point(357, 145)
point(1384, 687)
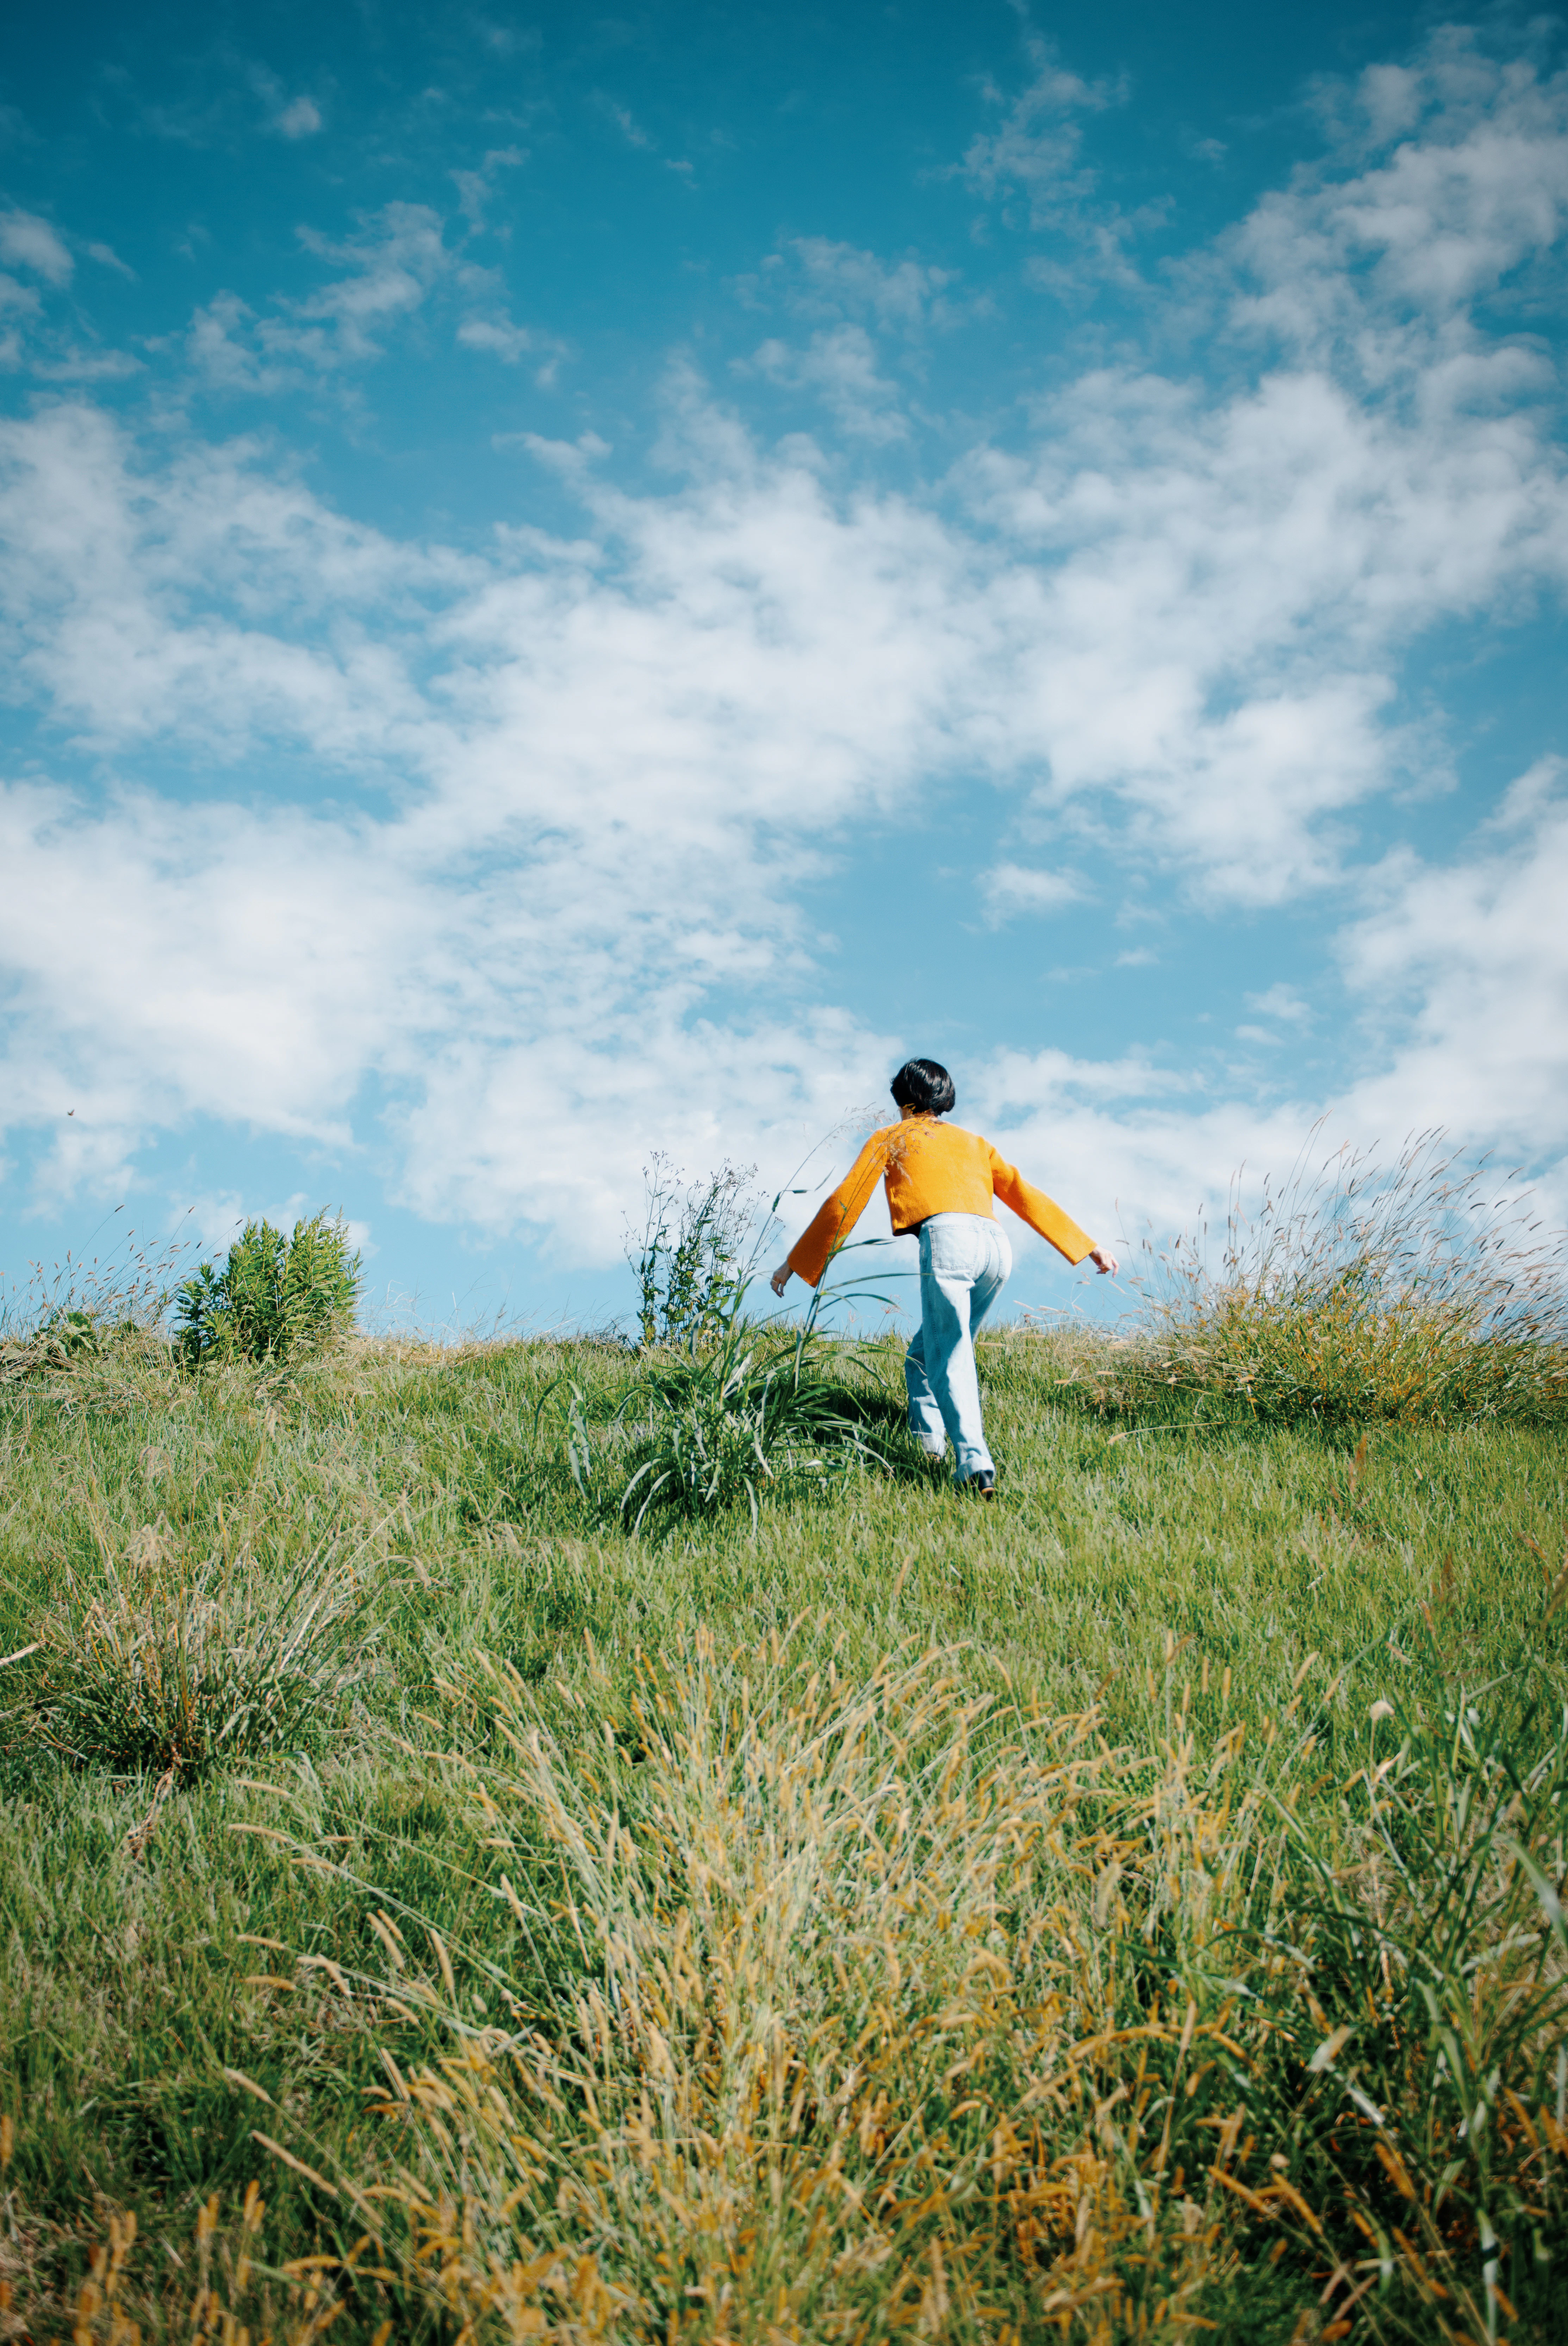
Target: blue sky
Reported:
point(577, 584)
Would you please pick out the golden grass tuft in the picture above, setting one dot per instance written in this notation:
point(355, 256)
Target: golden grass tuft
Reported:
point(845, 2011)
point(1427, 1291)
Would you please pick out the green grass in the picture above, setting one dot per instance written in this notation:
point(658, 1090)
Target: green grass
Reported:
point(192, 1956)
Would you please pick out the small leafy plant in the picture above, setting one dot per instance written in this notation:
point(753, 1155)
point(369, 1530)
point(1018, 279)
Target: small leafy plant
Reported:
point(274, 1298)
point(691, 1256)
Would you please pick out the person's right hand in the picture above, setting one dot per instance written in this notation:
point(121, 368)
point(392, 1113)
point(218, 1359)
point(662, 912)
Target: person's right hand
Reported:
point(1102, 1259)
point(781, 1278)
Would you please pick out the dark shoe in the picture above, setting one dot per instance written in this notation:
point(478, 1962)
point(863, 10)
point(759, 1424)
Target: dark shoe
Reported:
point(979, 1487)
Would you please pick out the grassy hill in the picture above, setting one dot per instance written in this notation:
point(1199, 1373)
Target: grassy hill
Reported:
point(1125, 1909)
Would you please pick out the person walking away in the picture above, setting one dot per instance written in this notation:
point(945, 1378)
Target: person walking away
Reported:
point(941, 1183)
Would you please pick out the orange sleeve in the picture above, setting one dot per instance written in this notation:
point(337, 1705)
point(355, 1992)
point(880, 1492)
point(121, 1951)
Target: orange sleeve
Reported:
point(838, 1215)
point(1042, 1213)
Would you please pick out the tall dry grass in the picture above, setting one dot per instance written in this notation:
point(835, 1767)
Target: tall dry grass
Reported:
point(843, 2011)
point(169, 1665)
point(87, 1305)
point(1427, 1289)
point(222, 2290)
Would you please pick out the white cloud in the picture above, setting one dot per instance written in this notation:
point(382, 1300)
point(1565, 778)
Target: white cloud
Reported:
point(475, 188)
point(107, 258)
point(1466, 963)
point(1458, 978)
point(286, 117)
point(839, 367)
point(553, 907)
point(70, 363)
point(1037, 144)
point(631, 130)
point(28, 242)
point(1473, 193)
point(858, 295)
point(392, 267)
point(498, 336)
point(1132, 1151)
point(769, 675)
point(1281, 1002)
point(1013, 888)
point(136, 604)
point(1228, 582)
point(903, 294)
point(227, 349)
point(301, 118)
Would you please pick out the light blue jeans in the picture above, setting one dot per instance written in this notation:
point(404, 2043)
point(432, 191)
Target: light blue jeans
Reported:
point(965, 1262)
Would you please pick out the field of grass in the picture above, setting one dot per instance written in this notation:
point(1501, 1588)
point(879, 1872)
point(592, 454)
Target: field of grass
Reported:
point(1126, 1910)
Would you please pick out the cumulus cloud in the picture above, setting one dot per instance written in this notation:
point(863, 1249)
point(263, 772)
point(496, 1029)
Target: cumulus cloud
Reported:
point(28, 242)
point(839, 366)
point(288, 117)
point(390, 267)
point(1231, 582)
point(857, 297)
point(1281, 1002)
point(1036, 144)
point(1013, 888)
point(476, 188)
point(494, 331)
point(531, 892)
point(107, 258)
point(582, 867)
point(19, 297)
point(1468, 961)
point(398, 258)
point(626, 122)
point(301, 118)
point(905, 295)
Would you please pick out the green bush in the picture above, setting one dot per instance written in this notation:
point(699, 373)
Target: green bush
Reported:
point(274, 1298)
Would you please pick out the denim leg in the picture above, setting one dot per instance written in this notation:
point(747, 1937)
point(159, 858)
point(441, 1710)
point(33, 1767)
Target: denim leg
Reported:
point(990, 1284)
point(945, 1324)
point(925, 1417)
point(964, 1263)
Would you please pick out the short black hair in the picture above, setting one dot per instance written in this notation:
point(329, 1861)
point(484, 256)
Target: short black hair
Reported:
point(925, 1085)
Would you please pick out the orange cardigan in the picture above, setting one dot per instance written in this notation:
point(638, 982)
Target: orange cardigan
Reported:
point(930, 1169)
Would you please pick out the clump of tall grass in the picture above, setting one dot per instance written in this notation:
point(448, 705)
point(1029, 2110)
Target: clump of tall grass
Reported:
point(1424, 1290)
point(727, 1410)
point(840, 2010)
point(60, 1340)
point(750, 1413)
point(273, 1299)
point(138, 2286)
point(170, 1666)
point(84, 1305)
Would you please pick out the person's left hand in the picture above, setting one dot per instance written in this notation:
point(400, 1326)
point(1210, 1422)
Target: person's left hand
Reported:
point(1101, 1259)
point(781, 1278)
